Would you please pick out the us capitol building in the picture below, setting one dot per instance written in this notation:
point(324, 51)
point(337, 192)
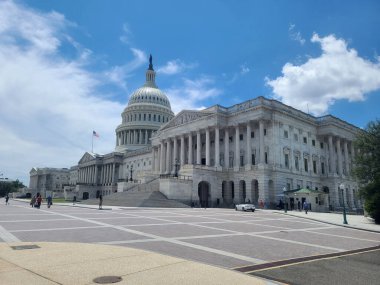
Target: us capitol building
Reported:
point(220, 156)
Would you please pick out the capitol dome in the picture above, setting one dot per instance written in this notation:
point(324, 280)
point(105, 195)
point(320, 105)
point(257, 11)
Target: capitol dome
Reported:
point(148, 108)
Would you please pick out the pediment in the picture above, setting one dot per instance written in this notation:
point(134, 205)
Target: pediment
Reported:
point(86, 157)
point(185, 117)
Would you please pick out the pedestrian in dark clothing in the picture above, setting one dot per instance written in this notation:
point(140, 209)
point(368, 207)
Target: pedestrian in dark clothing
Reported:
point(100, 201)
point(6, 200)
point(74, 200)
point(305, 206)
point(299, 205)
point(49, 201)
point(39, 201)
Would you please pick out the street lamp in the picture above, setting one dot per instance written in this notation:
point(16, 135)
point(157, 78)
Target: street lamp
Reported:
point(341, 186)
point(285, 202)
point(131, 179)
point(176, 165)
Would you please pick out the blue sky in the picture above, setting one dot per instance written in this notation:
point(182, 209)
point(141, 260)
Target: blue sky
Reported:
point(68, 67)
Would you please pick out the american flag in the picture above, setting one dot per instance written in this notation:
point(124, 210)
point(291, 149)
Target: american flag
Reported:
point(95, 134)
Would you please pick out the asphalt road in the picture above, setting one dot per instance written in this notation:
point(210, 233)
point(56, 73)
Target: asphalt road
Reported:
point(362, 268)
point(221, 237)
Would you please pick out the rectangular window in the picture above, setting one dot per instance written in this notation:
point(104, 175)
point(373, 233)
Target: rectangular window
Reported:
point(305, 165)
point(266, 157)
point(304, 139)
point(323, 168)
point(241, 137)
point(144, 117)
point(296, 137)
point(252, 135)
point(321, 145)
point(296, 163)
point(265, 132)
point(314, 166)
point(313, 142)
point(150, 117)
point(231, 139)
point(253, 159)
point(286, 134)
point(286, 160)
point(241, 160)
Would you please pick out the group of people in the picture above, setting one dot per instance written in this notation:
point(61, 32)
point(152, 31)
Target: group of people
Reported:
point(36, 201)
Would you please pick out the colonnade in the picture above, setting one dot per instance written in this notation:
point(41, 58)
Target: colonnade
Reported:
point(336, 161)
point(137, 136)
point(180, 149)
point(90, 175)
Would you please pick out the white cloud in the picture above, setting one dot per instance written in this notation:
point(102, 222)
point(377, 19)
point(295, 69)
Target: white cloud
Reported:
point(118, 74)
point(49, 104)
point(296, 35)
point(192, 93)
point(244, 69)
point(174, 67)
point(338, 73)
point(127, 34)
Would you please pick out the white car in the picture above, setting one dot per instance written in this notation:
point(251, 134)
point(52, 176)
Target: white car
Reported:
point(245, 207)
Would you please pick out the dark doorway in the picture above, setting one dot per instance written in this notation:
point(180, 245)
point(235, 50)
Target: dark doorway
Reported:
point(203, 193)
point(85, 195)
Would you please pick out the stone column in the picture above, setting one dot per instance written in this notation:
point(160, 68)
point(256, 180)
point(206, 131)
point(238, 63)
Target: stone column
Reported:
point(352, 156)
point(261, 137)
point(140, 137)
point(182, 150)
point(332, 156)
point(168, 152)
point(96, 176)
point(237, 148)
point(340, 162)
point(154, 159)
point(249, 150)
point(190, 148)
point(199, 146)
point(226, 148)
point(162, 158)
point(175, 154)
point(113, 174)
point(346, 157)
point(217, 151)
point(208, 147)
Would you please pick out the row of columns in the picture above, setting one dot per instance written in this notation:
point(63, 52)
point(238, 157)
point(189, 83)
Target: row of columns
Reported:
point(140, 136)
point(89, 174)
point(333, 160)
point(164, 156)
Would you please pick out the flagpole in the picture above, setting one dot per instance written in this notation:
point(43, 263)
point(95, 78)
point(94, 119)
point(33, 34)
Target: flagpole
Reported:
point(92, 143)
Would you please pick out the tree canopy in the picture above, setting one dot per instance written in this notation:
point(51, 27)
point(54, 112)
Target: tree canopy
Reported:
point(367, 167)
point(10, 186)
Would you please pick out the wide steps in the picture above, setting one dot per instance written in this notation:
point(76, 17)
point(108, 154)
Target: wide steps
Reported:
point(137, 199)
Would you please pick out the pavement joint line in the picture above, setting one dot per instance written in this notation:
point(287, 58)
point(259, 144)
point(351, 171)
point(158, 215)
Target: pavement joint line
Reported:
point(334, 235)
point(23, 221)
point(6, 236)
point(170, 240)
point(57, 229)
point(331, 223)
point(31, 271)
point(302, 260)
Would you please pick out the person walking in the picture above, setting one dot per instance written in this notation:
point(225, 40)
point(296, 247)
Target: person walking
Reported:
point(7, 199)
point(100, 201)
point(33, 201)
point(49, 201)
point(305, 206)
point(39, 200)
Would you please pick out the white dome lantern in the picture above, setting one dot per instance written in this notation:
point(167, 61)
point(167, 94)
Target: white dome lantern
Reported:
point(148, 108)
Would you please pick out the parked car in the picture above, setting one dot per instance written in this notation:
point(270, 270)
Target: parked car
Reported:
point(245, 207)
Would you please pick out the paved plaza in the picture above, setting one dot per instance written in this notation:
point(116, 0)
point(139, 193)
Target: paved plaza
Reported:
point(221, 237)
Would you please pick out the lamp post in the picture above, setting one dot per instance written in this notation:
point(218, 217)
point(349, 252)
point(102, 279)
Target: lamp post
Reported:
point(285, 202)
point(176, 165)
point(131, 179)
point(341, 186)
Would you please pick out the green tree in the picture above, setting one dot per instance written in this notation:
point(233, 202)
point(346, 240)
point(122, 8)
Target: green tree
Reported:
point(367, 168)
point(10, 186)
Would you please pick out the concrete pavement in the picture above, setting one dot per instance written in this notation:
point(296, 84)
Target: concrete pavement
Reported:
point(78, 263)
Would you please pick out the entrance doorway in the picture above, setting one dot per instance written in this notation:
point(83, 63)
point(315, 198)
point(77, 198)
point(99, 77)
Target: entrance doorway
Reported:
point(204, 193)
point(85, 195)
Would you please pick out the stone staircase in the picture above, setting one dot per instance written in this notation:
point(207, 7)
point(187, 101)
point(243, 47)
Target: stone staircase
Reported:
point(143, 195)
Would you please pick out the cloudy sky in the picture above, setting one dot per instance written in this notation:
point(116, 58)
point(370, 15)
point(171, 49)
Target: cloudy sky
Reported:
point(68, 67)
